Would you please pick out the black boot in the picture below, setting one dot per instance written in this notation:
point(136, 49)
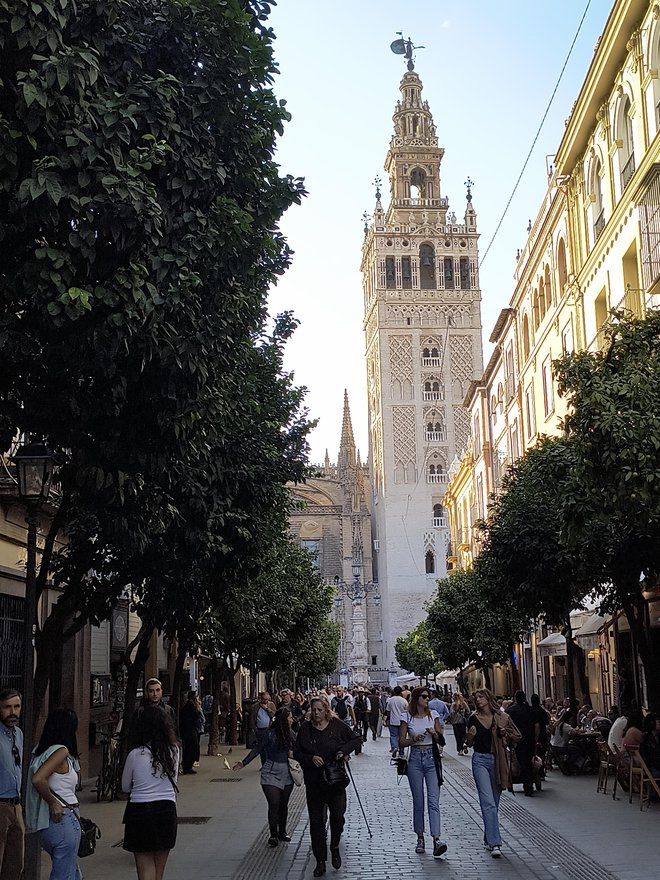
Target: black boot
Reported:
point(319, 870)
point(335, 857)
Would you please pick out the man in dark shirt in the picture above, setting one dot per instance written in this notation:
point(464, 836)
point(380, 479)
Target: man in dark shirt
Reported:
point(522, 716)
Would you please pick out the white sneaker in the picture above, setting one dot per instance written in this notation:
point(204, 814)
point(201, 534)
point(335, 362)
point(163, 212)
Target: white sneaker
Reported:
point(496, 852)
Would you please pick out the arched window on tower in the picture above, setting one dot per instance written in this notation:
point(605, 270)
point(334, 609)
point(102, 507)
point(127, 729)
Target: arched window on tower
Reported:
point(427, 267)
point(418, 184)
point(430, 562)
point(448, 266)
point(390, 273)
point(465, 273)
point(406, 273)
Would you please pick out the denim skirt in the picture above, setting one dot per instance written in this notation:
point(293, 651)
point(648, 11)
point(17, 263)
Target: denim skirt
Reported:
point(149, 827)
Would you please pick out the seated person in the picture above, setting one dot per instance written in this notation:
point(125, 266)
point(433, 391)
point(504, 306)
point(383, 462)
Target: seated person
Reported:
point(567, 754)
point(649, 747)
point(615, 736)
point(632, 734)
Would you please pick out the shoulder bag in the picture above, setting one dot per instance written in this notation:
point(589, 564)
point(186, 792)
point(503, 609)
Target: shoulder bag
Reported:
point(296, 771)
point(334, 774)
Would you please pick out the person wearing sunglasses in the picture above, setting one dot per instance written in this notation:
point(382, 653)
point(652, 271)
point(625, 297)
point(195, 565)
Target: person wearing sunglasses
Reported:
point(421, 729)
point(11, 815)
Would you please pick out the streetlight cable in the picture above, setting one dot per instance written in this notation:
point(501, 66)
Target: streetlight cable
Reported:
point(536, 137)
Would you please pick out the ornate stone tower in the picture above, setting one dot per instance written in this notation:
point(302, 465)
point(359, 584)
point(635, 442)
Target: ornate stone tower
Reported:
point(422, 321)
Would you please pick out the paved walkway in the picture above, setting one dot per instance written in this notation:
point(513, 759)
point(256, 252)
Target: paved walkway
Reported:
point(566, 832)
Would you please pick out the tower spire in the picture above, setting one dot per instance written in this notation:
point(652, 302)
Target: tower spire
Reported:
point(346, 457)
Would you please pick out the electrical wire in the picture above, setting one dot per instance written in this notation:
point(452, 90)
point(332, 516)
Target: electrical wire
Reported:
point(536, 137)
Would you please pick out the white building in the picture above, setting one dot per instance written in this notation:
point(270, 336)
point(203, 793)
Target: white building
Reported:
point(422, 323)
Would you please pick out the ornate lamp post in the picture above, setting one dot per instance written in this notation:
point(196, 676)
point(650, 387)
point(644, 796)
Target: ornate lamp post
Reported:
point(34, 465)
point(356, 591)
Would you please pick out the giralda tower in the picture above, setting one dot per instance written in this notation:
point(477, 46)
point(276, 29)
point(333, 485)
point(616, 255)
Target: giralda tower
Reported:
point(422, 323)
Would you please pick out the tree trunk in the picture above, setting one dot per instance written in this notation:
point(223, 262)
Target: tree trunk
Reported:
point(637, 615)
point(214, 730)
point(486, 674)
point(570, 668)
point(134, 669)
point(175, 698)
point(232, 720)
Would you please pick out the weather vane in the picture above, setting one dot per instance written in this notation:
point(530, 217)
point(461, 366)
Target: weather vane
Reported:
point(469, 184)
point(377, 183)
point(405, 48)
point(365, 219)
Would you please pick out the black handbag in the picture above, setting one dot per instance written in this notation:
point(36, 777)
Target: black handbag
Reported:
point(334, 774)
point(89, 834)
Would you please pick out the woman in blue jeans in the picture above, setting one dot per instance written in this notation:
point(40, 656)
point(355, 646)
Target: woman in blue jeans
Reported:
point(489, 733)
point(420, 729)
point(52, 805)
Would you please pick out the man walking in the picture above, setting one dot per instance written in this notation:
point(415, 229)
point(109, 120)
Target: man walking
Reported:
point(263, 711)
point(362, 711)
point(11, 816)
point(440, 706)
point(522, 716)
point(396, 705)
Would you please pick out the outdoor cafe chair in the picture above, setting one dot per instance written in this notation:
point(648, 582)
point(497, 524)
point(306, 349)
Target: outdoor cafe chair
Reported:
point(642, 781)
point(607, 765)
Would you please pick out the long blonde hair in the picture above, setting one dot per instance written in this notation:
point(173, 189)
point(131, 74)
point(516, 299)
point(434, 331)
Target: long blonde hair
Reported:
point(490, 696)
point(459, 700)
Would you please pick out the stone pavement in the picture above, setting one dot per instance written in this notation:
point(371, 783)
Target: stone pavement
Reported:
point(566, 832)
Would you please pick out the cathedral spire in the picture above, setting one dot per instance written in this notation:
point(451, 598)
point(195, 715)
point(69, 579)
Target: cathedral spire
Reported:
point(346, 458)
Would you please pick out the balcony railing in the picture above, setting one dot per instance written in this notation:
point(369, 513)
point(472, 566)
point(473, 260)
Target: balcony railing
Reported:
point(627, 171)
point(437, 478)
point(599, 224)
point(436, 436)
point(439, 522)
point(431, 362)
point(434, 395)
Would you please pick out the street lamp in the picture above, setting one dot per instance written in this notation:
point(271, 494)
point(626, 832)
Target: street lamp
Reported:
point(356, 591)
point(34, 465)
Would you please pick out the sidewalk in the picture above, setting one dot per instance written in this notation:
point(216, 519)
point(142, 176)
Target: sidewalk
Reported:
point(566, 832)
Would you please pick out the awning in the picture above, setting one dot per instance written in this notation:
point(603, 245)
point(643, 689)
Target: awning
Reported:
point(553, 645)
point(587, 634)
point(409, 676)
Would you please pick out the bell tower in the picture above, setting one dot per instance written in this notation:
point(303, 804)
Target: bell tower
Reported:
point(422, 322)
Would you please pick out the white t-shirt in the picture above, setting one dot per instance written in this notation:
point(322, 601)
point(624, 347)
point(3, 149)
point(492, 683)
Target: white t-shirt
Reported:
point(139, 779)
point(416, 726)
point(562, 734)
point(615, 736)
point(396, 706)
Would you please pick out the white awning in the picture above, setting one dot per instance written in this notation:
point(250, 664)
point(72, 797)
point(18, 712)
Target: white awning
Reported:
point(587, 634)
point(553, 645)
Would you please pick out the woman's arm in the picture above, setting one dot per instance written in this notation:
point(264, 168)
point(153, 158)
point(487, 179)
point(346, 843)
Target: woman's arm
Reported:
point(40, 781)
point(127, 774)
point(249, 757)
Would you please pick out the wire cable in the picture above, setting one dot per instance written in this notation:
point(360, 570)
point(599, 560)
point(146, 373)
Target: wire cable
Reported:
point(536, 137)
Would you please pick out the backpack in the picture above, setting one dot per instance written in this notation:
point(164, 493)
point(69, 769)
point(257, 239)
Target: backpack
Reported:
point(361, 704)
point(340, 707)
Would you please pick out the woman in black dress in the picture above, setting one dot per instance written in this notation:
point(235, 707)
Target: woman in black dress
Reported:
point(323, 740)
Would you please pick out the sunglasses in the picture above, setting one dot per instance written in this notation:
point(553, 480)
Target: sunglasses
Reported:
point(17, 755)
point(425, 696)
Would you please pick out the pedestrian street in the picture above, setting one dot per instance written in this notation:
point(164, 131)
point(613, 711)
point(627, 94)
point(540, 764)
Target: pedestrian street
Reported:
point(566, 832)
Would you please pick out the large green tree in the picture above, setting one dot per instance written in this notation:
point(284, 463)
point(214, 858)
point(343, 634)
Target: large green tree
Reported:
point(414, 652)
point(467, 624)
point(139, 204)
point(614, 424)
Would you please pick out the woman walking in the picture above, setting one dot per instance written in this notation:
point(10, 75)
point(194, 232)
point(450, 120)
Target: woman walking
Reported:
point(191, 726)
point(52, 804)
point(459, 713)
point(421, 729)
point(323, 741)
point(489, 733)
point(150, 779)
point(276, 783)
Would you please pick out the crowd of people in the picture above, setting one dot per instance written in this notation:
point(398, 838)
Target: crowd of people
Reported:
point(302, 738)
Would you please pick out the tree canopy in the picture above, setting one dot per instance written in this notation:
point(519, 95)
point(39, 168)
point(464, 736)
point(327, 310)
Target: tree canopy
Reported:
point(414, 652)
point(139, 209)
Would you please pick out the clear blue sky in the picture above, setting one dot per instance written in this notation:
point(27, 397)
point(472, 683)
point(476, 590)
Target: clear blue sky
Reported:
point(488, 71)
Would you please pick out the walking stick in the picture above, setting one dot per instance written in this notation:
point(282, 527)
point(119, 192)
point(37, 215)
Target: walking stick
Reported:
point(357, 794)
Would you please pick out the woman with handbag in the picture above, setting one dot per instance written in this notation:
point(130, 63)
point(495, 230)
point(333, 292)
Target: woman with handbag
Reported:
point(149, 777)
point(322, 746)
point(458, 716)
point(52, 807)
point(490, 733)
point(276, 779)
point(422, 730)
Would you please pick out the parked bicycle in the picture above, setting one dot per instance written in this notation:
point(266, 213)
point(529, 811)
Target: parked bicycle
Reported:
point(107, 782)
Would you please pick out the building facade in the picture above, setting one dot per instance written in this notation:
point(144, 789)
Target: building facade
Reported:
point(334, 523)
point(422, 322)
point(594, 247)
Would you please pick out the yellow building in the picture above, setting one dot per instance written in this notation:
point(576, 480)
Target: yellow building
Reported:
point(593, 247)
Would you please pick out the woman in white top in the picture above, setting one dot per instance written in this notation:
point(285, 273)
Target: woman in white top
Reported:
point(421, 729)
point(52, 803)
point(150, 779)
